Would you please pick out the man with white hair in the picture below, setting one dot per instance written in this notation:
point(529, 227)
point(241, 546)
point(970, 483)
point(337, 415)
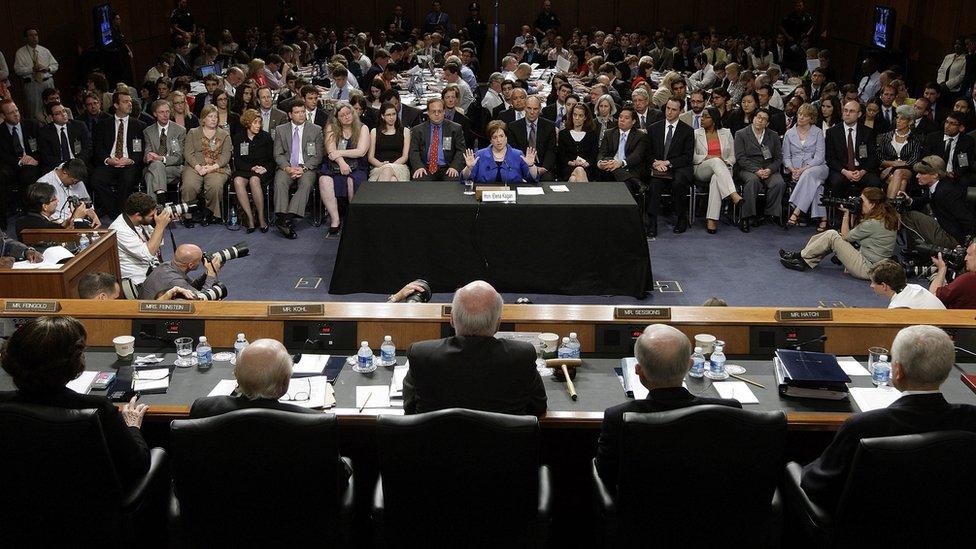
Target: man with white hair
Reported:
point(663, 359)
point(922, 357)
point(473, 369)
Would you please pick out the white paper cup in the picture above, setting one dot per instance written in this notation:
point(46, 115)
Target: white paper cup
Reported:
point(124, 347)
point(706, 342)
point(550, 343)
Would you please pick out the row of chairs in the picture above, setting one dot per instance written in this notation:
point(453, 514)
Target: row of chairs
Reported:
point(690, 477)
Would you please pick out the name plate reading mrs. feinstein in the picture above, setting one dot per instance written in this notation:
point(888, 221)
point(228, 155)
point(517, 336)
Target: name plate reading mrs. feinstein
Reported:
point(499, 196)
point(165, 307)
point(791, 315)
point(297, 309)
point(643, 313)
point(31, 306)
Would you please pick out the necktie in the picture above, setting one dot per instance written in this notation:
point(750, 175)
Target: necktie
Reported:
point(65, 149)
point(622, 147)
point(945, 77)
point(435, 143)
point(888, 115)
point(948, 153)
point(932, 113)
point(519, 115)
point(18, 148)
point(296, 147)
point(697, 121)
point(265, 120)
point(559, 116)
point(532, 135)
point(850, 148)
point(667, 139)
point(164, 145)
point(119, 138)
point(643, 121)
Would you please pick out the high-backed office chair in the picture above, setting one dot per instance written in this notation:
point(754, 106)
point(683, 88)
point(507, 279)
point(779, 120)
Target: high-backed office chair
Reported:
point(460, 477)
point(695, 477)
point(260, 477)
point(902, 491)
point(58, 486)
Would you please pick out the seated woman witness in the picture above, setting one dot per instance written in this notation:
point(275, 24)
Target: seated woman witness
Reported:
point(875, 234)
point(207, 152)
point(499, 163)
point(254, 166)
point(41, 203)
point(346, 145)
point(803, 156)
point(899, 150)
point(182, 114)
point(46, 353)
point(714, 158)
point(605, 115)
point(742, 116)
point(389, 147)
point(578, 146)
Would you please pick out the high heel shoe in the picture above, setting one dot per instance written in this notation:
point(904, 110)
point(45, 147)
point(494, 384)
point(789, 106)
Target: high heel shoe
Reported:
point(264, 229)
point(791, 222)
point(711, 227)
point(335, 230)
point(250, 227)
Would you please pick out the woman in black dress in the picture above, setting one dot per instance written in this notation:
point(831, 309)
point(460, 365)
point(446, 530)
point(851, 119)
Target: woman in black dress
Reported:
point(254, 166)
point(389, 147)
point(578, 145)
point(742, 117)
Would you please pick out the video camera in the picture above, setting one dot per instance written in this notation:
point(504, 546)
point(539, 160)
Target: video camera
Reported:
point(176, 210)
point(75, 201)
point(232, 252)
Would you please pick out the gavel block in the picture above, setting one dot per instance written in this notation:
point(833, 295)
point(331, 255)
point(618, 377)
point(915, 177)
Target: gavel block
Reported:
point(564, 369)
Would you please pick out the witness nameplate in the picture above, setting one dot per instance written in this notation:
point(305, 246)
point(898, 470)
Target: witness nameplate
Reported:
point(500, 196)
point(297, 309)
point(31, 306)
point(643, 313)
point(792, 315)
point(165, 307)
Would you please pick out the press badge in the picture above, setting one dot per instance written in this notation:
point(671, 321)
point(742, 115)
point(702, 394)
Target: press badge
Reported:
point(447, 144)
point(32, 143)
point(862, 151)
point(766, 153)
point(137, 145)
point(963, 160)
point(245, 147)
point(77, 147)
point(309, 149)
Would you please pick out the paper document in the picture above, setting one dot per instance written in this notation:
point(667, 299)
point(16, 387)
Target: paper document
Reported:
point(530, 191)
point(631, 381)
point(396, 386)
point(150, 380)
point(225, 387)
point(83, 382)
point(372, 396)
point(562, 64)
point(310, 364)
point(873, 398)
point(851, 366)
point(737, 390)
point(53, 258)
point(559, 188)
point(309, 392)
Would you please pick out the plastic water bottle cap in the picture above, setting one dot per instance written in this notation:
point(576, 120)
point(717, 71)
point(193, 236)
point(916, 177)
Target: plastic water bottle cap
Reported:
point(387, 338)
point(364, 344)
point(698, 349)
point(203, 339)
point(884, 358)
point(240, 336)
point(572, 335)
point(565, 340)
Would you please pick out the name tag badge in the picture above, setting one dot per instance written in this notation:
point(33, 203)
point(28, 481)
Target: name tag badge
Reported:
point(862, 151)
point(175, 144)
point(137, 145)
point(77, 147)
point(447, 144)
point(767, 155)
point(32, 143)
point(310, 149)
point(245, 147)
point(963, 160)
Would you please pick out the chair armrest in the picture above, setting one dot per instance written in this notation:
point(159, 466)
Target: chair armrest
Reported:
point(157, 472)
point(603, 496)
point(377, 511)
point(544, 512)
point(813, 515)
point(346, 496)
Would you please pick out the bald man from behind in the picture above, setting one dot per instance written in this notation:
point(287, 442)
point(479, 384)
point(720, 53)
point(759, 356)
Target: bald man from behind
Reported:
point(175, 273)
point(474, 369)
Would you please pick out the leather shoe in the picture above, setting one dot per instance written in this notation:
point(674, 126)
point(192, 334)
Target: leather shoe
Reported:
point(286, 230)
point(794, 264)
point(744, 225)
point(783, 254)
point(335, 230)
point(681, 226)
point(835, 260)
point(188, 222)
point(264, 229)
point(652, 232)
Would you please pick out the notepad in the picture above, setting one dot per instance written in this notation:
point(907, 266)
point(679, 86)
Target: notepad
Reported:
point(310, 392)
point(562, 64)
point(225, 387)
point(82, 383)
point(559, 188)
point(155, 380)
point(310, 364)
point(632, 382)
point(873, 398)
point(736, 390)
point(530, 191)
point(396, 385)
point(372, 396)
point(851, 366)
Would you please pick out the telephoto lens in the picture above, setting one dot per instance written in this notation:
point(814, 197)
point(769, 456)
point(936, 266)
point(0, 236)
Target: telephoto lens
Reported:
point(233, 252)
point(423, 296)
point(214, 293)
point(177, 209)
point(852, 203)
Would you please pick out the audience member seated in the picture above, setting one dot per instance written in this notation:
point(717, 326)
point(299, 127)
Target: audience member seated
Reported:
point(692, 116)
point(117, 156)
point(181, 114)
point(646, 116)
point(46, 353)
point(298, 153)
point(139, 232)
point(452, 112)
point(622, 154)
point(499, 162)
point(346, 145)
point(271, 117)
point(474, 369)
point(943, 197)
point(714, 160)
point(851, 154)
point(62, 139)
point(226, 120)
point(777, 119)
point(210, 82)
point(98, 286)
point(389, 147)
point(875, 234)
point(175, 273)
point(888, 280)
point(830, 114)
point(899, 150)
point(164, 144)
point(921, 359)
point(759, 157)
point(804, 157)
point(19, 151)
point(670, 153)
point(40, 205)
point(556, 110)
point(663, 359)
point(578, 146)
point(957, 149)
point(68, 182)
point(518, 99)
point(206, 154)
point(254, 164)
point(742, 117)
point(536, 133)
point(437, 146)
point(605, 115)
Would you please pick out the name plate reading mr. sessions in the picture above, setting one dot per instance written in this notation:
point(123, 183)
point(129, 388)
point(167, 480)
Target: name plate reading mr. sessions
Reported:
point(31, 306)
point(499, 196)
point(297, 309)
point(643, 313)
point(791, 315)
point(172, 307)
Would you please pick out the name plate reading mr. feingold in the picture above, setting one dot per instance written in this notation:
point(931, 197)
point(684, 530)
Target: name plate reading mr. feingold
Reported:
point(297, 309)
point(31, 306)
point(792, 315)
point(499, 196)
point(165, 307)
point(643, 313)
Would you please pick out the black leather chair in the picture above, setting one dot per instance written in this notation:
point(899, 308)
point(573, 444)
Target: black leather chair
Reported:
point(696, 477)
point(58, 487)
point(457, 477)
point(260, 477)
point(902, 491)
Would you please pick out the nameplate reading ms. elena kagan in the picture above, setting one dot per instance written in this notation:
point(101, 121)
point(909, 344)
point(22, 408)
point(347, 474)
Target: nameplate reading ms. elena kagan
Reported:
point(297, 309)
point(792, 315)
point(643, 313)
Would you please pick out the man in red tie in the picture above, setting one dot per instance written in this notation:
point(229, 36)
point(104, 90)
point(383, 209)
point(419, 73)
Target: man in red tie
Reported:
point(851, 154)
point(436, 146)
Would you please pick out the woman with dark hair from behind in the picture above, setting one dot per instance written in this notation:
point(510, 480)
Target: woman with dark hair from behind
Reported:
point(46, 353)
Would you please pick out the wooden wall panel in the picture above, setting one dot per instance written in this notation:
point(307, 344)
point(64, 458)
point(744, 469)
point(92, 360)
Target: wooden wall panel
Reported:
point(856, 341)
point(403, 333)
point(101, 332)
point(223, 333)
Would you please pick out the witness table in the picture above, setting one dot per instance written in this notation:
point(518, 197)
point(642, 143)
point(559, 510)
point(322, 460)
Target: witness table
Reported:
point(588, 241)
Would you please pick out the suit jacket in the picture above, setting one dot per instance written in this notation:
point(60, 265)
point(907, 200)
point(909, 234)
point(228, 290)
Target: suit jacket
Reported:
point(201, 98)
point(91, 121)
point(688, 117)
point(465, 123)
point(965, 147)
point(30, 130)
point(475, 372)
point(777, 120)
point(925, 127)
point(681, 154)
point(949, 206)
point(749, 151)
point(726, 140)
point(276, 117)
point(420, 145)
point(49, 144)
point(658, 400)
point(836, 143)
point(409, 116)
point(635, 149)
point(312, 146)
point(824, 479)
point(663, 58)
point(216, 405)
point(550, 113)
point(175, 139)
point(103, 140)
point(508, 116)
point(320, 118)
point(652, 115)
point(545, 141)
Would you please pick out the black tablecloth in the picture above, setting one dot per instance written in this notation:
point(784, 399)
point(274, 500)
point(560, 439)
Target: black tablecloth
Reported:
point(588, 241)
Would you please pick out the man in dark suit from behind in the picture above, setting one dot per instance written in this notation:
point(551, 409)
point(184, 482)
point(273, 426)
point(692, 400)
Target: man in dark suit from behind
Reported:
point(922, 358)
point(663, 359)
point(474, 369)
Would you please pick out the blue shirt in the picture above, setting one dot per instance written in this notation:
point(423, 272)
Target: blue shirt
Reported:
point(513, 169)
point(439, 128)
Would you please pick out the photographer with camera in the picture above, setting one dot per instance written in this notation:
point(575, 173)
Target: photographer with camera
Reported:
point(68, 182)
point(417, 291)
point(961, 292)
point(41, 204)
point(140, 244)
point(888, 280)
point(875, 234)
point(944, 197)
point(175, 273)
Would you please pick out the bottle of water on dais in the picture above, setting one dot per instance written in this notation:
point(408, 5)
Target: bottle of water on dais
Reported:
point(574, 345)
point(697, 363)
point(388, 351)
point(881, 376)
point(364, 360)
point(716, 368)
point(564, 351)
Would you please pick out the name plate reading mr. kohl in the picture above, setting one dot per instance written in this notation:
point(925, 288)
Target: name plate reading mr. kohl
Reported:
point(499, 196)
point(297, 309)
point(164, 307)
point(31, 306)
point(793, 315)
point(643, 313)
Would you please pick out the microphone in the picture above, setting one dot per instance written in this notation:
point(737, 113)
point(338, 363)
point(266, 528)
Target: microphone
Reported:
point(161, 339)
point(298, 356)
point(799, 346)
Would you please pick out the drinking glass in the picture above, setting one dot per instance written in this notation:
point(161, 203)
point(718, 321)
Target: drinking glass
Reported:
point(874, 354)
point(184, 348)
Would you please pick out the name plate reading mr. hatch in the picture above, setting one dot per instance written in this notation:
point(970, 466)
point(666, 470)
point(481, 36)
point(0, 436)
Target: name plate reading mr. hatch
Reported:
point(643, 313)
point(31, 306)
point(791, 315)
point(499, 196)
point(297, 309)
point(171, 307)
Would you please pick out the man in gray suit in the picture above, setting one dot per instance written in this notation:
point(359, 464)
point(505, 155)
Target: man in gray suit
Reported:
point(164, 150)
point(436, 146)
point(270, 116)
point(298, 152)
point(758, 159)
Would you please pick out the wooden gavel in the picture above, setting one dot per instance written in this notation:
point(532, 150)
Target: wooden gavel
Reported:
point(564, 369)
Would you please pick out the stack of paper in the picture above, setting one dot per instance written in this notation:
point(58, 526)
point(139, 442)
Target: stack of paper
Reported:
point(82, 384)
point(736, 390)
point(873, 398)
point(53, 259)
point(311, 364)
point(372, 396)
point(632, 384)
point(851, 366)
point(307, 392)
point(151, 381)
point(396, 385)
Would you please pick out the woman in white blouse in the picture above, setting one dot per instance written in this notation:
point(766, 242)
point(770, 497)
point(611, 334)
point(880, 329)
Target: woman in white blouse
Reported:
point(713, 160)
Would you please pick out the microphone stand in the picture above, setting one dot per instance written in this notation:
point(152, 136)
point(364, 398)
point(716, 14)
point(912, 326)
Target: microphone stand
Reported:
point(298, 356)
point(799, 346)
point(968, 352)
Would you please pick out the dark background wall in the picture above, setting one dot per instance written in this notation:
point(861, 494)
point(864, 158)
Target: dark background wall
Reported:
point(925, 29)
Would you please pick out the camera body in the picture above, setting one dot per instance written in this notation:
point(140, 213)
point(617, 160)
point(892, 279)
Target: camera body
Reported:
point(852, 203)
point(919, 261)
point(75, 201)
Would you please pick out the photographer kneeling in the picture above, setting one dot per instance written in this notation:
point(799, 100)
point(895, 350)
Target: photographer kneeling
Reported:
point(175, 273)
point(875, 234)
point(140, 243)
point(961, 292)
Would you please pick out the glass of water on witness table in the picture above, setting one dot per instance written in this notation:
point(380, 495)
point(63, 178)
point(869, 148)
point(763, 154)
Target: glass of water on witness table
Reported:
point(184, 348)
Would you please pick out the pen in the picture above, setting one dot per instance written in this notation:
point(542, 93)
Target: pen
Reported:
point(365, 402)
point(740, 378)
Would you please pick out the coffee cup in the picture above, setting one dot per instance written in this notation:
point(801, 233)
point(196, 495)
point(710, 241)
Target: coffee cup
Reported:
point(706, 342)
point(124, 347)
point(550, 343)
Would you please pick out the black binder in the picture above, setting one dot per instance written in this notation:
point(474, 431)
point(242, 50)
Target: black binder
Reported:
point(810, 374)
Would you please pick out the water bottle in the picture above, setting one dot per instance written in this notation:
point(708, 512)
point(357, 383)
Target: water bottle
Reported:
point(94, 237)
point(564, 351)
point(716, 367)
point(83, 242)
point(364, 360)
point(239, 346)
point(388, 351)
point(881, 376)
point(574, 345)
point(233, 217)
point(204, 353)
point(697, 363)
